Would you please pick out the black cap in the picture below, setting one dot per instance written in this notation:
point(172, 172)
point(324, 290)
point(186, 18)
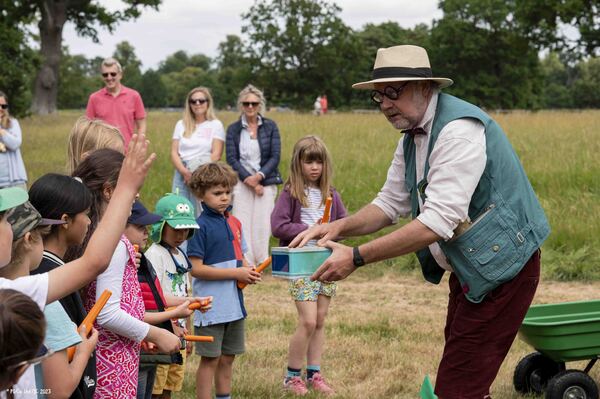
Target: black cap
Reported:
point(141, 216)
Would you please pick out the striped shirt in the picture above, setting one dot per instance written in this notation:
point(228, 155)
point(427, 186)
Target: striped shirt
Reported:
point(314, 212)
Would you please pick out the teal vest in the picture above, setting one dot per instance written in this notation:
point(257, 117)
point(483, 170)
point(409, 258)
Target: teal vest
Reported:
point(508, 223)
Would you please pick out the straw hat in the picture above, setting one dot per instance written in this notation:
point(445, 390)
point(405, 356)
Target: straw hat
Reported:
point(399, 64)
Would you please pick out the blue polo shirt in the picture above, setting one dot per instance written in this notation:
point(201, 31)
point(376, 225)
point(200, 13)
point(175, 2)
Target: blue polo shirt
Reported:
point(219, 243)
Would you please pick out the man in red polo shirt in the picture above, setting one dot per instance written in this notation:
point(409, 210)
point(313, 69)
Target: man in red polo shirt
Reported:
point(116, 104)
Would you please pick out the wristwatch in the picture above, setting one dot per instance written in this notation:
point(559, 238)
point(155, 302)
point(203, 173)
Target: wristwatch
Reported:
point(357, 260)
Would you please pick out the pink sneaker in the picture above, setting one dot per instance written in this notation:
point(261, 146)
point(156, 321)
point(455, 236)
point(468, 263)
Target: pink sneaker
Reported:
point(295, 385)
point(317, 382)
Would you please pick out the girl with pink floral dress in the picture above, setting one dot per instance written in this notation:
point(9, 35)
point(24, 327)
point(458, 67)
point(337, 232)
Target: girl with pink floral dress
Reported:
point(120, 324)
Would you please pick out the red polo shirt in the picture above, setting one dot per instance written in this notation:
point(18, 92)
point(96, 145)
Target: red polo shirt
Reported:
point(121, 111)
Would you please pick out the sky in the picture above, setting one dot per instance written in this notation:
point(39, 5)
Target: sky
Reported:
point(198, 26)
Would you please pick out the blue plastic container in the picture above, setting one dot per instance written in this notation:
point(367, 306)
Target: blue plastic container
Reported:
point(291, 263)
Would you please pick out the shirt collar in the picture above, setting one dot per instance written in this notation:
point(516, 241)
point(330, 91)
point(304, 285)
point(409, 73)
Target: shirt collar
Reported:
point(211, 212)
point(122, 92)
point(245, 122)
point(427, 121)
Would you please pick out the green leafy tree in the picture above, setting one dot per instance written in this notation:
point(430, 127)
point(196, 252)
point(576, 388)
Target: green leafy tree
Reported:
point(300, 48)
point(78, 78)
point(152, 89)
point(180, 60)
point(479, 45)
point(51, 16)
point(18, 65)
point(586, 89)
point(233, 71)
point(556, 92)
point(132, 73)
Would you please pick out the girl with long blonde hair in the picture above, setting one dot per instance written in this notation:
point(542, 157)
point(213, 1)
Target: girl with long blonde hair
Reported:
point(301, 205)
point(198, 138)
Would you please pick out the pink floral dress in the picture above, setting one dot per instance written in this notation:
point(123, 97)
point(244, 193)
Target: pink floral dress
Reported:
point(117, 357)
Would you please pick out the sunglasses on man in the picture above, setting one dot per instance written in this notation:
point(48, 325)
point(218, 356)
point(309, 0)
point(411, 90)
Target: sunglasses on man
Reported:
point(198, 101)
point(250, 103)
point(4, 106)
point(112, 74)
point(389, 92)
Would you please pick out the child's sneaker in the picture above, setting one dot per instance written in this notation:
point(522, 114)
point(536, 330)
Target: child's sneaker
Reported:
point(317, 382)
point(295, 385)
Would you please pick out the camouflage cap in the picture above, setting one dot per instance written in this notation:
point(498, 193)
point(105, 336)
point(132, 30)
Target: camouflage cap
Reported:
point(25, 217)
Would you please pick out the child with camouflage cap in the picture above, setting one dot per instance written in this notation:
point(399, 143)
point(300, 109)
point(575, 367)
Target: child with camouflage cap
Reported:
point(172, 267)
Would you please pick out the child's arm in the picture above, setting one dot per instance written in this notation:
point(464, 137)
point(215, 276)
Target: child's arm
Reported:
point(180, 312)
point(282, 226)
point(61, 377)
point(207, 272)
point(112, 317)
point(76, 274)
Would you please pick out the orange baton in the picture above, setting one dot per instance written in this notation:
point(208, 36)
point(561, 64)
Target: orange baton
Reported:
point(89, 320)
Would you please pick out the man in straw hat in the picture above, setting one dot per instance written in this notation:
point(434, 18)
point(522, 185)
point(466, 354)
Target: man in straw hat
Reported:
point(474, 214)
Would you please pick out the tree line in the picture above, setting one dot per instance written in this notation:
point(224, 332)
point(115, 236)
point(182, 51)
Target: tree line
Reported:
point(501, 54)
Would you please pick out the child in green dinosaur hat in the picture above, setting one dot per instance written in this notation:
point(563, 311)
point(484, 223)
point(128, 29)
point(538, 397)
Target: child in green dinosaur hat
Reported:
point(172, 266)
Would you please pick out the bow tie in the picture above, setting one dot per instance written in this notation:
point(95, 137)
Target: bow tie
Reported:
point(414, 131)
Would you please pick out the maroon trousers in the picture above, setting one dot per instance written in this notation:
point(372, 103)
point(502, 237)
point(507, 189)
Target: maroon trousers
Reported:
point(479, 335)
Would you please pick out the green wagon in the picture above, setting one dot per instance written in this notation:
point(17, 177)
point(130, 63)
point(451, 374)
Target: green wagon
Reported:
point(560, 333)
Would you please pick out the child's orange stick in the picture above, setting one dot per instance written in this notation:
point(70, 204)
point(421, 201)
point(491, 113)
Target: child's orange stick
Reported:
point(136, 247)
point(259, 269)
point(196, 305)
point(327, 211)
point(89, 320)
point(198, 338)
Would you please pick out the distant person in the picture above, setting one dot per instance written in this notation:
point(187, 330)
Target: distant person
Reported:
point(253, 151)
point(12, 168)
point(324, 104)
point(301, 205)
point(317, 106)
point(117, 104)
point(474, 214)
point(198, 138)
point(89, 135)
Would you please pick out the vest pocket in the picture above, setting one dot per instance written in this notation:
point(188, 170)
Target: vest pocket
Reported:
point(488, 253)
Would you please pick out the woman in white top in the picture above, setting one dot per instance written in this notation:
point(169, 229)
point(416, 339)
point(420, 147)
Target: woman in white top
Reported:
point(198, 138)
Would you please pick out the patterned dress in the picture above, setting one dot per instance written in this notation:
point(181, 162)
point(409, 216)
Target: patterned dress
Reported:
point(117, 356)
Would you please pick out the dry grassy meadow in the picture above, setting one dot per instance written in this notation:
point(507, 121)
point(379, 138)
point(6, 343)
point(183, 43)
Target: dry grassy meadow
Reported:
point(385, 327)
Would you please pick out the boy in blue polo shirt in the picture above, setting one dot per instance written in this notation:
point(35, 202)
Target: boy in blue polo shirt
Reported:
point(216, 252)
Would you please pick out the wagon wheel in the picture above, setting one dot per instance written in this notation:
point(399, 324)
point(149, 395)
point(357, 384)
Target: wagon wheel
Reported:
point(533, 373)
point(572, 384)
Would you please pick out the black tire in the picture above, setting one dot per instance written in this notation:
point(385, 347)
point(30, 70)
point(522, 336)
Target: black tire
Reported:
point(572, 384)
point(533, 373)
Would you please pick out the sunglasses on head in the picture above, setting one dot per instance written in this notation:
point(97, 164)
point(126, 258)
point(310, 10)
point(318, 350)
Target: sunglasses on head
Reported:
point(249, 103)
point(389, 92)
point(112, 74)
point(198, 101)
point(4, 106)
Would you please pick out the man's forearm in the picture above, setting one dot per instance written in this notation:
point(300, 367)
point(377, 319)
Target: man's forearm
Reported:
point(141, 126)
point(367, 220)
point(409, 238)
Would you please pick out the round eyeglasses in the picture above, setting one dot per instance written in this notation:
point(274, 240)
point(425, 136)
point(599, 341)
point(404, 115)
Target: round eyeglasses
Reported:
point(390, 92)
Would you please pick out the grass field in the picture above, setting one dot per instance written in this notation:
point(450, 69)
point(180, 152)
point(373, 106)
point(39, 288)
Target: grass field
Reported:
point(386, 353)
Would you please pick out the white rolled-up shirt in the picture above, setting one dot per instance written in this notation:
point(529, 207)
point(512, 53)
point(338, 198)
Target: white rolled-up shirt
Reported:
point(456, 164)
